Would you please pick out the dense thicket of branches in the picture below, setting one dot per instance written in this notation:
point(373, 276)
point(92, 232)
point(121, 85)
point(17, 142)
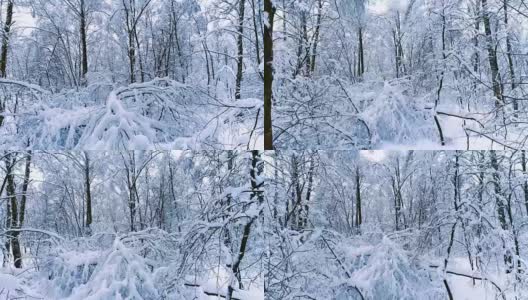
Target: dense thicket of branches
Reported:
point(190, 69)
point(397, 225)
point(418, 73)
point(131, 225)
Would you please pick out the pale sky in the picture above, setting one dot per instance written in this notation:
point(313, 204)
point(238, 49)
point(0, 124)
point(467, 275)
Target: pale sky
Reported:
point(381, 7)
point(374, 155)
point(23, 19)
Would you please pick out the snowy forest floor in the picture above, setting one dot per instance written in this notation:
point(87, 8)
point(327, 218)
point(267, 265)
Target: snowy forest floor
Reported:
point(98, 268)
point(379, 267)
point(330, 113)
point(356, 225)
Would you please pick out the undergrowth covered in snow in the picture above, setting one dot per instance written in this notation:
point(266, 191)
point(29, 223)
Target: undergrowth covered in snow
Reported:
point(161, 114)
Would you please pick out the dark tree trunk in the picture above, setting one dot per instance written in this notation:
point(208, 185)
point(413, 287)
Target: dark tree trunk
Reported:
point(509, 50)
point(84, 46)
point(5, 41)
point(131, 57)
point(492, 56)
point(398, 48)
point(88, 191)
point(309, 190)
point(525, 184)
point(361, 54)
point(316, 34)
point(268, 74)
point(3, 55)
point(13, 207)
point(359, 216)
point(240, 45)
point(255, 30)
point(441, 84)
point(501, 207)
point(25, 185)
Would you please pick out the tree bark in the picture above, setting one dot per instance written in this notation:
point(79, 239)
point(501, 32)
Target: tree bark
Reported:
point(25, 185)
point(501, 207)
point(525, 184)
point(441, 84)
point(5, 41)
point(316, 35)
point(361, 54)
point(17, 213)
point(309, 190)
point(492, 56)
point(359, 217)
point(398, 48)
point(240, 45)
point(84, 47)
point(269, 8)
point(509, 50)
point(3, 55)
point(88, 191)
point(255, 30)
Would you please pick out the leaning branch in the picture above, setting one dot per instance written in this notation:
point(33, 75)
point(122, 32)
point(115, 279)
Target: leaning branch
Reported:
point(474, 278)
point(49, 233)
point(341, 265)
point(23, 84)
point(209, 293)
point(460, 117)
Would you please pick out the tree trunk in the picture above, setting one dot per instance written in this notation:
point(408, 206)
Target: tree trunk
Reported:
point(88, 191)
point(255, 30)
point(130, 24)
point(3, 55)
point(398, 48)
point(256, 194)
point(359, 217)
point(517, 262)
point(268, 74)
point(240, 45)
point(309, 189)
point(13, 205)
point(131, 57)
point(5, 41)
point(316, 34)
point(178, 46)
point(509, 50)
point(498, 190)
point(501, 207)
point(476, 60)
point(525, 184)
point(361, 54)
point(492, 56)
point(84, 47)
point(25, 185)
point(140, 60)
point(441, 84)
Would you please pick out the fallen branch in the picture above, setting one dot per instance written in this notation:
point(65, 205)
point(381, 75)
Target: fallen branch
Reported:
point(474, 278)
point(460, 117)
point(209, 293)
point(491, 139)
